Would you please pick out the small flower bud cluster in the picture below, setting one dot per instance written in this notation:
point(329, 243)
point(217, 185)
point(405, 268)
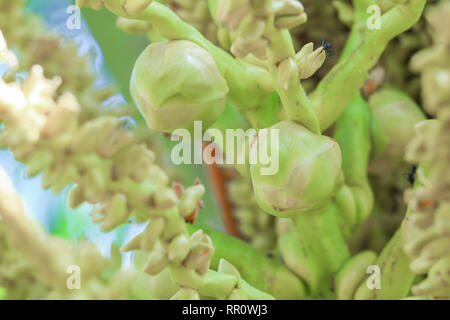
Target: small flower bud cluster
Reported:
point(255, 224)
point(111, 169)
point(426, 230)
point(251, 20)
point(37, 45)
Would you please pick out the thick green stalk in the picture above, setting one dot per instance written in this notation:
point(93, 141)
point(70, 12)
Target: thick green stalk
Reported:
point(319, 234)
point(396, 275)
point(265, 272)
point(353, 135)
point(362, 52)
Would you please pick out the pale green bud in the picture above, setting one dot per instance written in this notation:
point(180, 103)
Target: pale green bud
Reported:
point(175, 83)
point(217, 285)
point(114, 212)
point(186, 294)
point(179, 248)
point(165, 198)
point(397, 114)
point(289, 14)
point(92, 4)
point(308, 175)
point(153, 231)
point(227, 268)
point(231, 12)
point(190, 198)
point(156, 262)
point(309, 60)
point(238, 294)
point(133, 26)
point(251, 292)
point(134, 162)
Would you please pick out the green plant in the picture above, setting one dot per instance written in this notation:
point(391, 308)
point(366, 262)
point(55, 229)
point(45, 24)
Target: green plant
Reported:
point(239, 65)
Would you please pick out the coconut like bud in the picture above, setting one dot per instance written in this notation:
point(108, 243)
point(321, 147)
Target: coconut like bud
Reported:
point(308, 174)
point(175, 83)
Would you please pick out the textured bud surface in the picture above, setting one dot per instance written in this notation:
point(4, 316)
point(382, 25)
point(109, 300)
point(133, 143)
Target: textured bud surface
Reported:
point(175, 83)
point(310, 166)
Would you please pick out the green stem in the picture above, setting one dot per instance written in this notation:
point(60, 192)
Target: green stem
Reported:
point(353, 135)
point(364, 48)
point(293, 97)
point(319, 234)
point(267, 273)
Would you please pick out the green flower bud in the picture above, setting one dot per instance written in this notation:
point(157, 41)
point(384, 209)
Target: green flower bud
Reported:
point(238, 294)
point(396, 114)
point(156, 262)
point(175, 83)
point(151, 234)
point(134, 162)
point(186, 294)
point(179, 248)
point(309, 60)
point(308, 175)
point(133, 26)
point(231, 12)
point(289, 14)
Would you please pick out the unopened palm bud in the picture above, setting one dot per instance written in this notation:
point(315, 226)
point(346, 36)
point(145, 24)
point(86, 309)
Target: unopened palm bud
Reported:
point(126, 7)
point(63, 118)
point(114, 212)
point(437, 282)
point(199, 254)
point(165, 198)
point(7, 56)
point(186, 294)
point(133, 26)
point(309, 60)
point(230, 13)
point(39, 90)
point(238, 294)
point(289, 14)
point(115, 141)
point(241, 48)
point(175, 83)
point(92, 4)
point(190, 198)
point(179, 248)
point(158, 176)
point(93, 185)
point(397, 114)
point(156, 262)
point(151, 234)
point(135, 6)
point(308, 174)
point(134, 162)
point(249, 39)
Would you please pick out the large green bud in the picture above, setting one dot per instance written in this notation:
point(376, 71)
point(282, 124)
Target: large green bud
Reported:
point(175, 83)
point(394, 116)
point(308, 174)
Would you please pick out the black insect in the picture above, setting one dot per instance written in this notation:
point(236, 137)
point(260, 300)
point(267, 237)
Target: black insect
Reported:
point(411, 175)
point(328, 48)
